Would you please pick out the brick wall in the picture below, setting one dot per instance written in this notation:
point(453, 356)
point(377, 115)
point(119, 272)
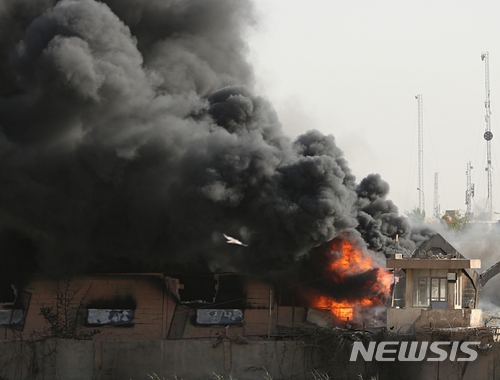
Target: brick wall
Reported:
point(157, 312)
point(153, 304)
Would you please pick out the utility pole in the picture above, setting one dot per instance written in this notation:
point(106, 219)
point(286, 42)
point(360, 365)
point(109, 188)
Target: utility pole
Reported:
point(469, 193)
point(421, 199)
point(436, 197)
point(488, 135)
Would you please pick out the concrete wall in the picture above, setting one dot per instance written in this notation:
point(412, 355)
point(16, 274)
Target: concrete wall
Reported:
point(450, 318)
point(403, 320)
point(412, 319)
point(198, 360)
point(186, 359)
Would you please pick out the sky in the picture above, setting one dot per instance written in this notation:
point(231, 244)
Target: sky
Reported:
point(352, 69)
point(73, 134)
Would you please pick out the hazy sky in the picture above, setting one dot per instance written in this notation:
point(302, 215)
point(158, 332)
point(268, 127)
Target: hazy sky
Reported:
point(353, 68)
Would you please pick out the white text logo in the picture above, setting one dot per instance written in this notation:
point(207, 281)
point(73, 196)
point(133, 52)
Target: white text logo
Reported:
point(410, 351)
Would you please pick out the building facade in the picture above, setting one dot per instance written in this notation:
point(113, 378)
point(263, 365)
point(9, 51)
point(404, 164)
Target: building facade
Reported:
point(435, 289)
point(146, 306)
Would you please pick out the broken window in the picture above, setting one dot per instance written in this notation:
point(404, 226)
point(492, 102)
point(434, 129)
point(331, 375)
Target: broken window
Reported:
point(117, 311)
point(230, 292)
point(220, 291)
point(18, 256)
point(398, 295)
point(13, 314)
point(218, 299)
point(287, 294)
point(8, 291)
point(197, 290)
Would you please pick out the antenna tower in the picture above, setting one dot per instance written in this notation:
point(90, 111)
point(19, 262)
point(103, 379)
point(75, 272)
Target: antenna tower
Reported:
point(421, 195)
point(436, 197)
point(469, 193)
point(488, 135)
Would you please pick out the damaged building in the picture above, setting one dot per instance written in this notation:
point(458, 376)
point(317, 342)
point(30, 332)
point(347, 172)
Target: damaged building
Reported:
point(229, 316)
point(436, 293)
point(341, 286)
point(149, 306)
point(435, 288)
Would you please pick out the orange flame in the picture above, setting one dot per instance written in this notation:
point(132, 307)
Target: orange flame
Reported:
point(348, 260)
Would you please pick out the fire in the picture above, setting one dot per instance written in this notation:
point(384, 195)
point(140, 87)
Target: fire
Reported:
point(352, 260)
point(346, 261)
point(343, 310)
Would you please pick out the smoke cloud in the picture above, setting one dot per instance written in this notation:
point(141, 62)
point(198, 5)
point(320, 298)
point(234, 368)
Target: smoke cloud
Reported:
point(481, 241)
point(131, 139)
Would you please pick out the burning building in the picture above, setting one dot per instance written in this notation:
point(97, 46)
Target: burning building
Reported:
point(348, 283)
point(99, 177)
point(341, 283)
point(131, 141)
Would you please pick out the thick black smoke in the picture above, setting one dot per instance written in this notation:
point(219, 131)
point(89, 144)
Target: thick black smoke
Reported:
point(130, 139)
point(379, 221)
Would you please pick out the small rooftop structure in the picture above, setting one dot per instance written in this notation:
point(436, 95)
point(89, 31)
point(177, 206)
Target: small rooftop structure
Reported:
point(435, 288)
